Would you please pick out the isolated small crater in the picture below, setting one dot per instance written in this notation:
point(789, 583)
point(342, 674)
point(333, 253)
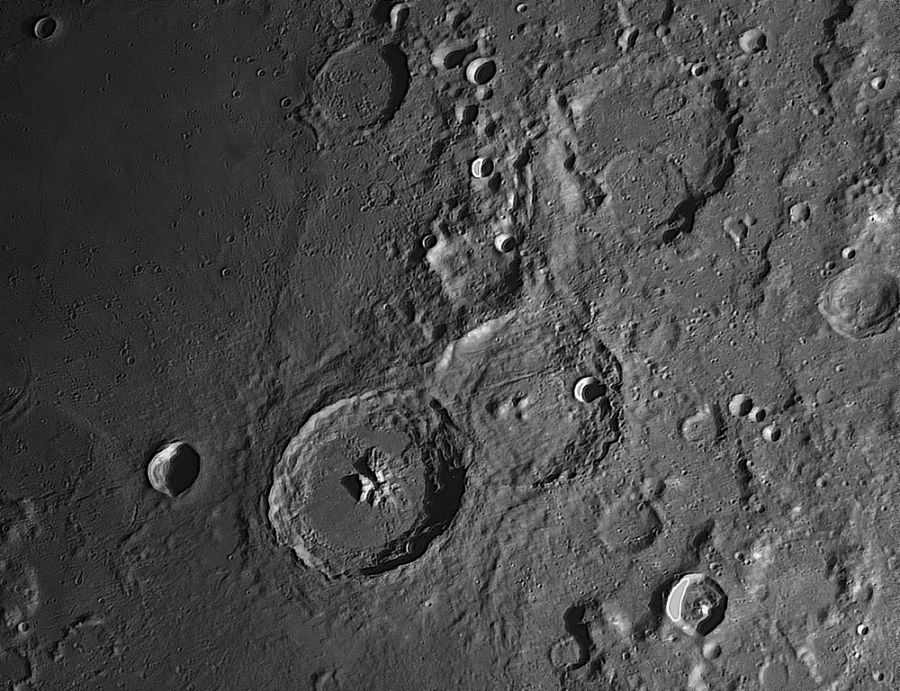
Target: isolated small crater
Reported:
point(174, 468)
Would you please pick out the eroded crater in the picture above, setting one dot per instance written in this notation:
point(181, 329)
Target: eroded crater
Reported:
point(363, 85)
point(513, 379)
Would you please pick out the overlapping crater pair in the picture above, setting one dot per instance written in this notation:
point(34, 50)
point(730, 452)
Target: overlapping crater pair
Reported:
point(658, 147)
point(370, 481)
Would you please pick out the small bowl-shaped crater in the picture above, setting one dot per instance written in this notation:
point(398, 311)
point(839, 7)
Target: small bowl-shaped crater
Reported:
point(504, 243)
point(482, 167)
point(45, 28)
point(589, 389)
point(174, 468)
point(740, 405)
point(752, 41)
point(481, 71)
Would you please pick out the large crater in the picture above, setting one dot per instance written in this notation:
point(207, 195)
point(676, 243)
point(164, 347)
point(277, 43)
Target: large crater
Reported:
point(367, 484)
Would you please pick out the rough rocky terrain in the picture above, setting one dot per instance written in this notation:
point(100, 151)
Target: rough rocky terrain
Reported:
point(358, 258)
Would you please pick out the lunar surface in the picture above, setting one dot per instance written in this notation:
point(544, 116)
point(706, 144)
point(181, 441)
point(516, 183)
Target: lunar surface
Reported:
point(397, 462)
point(366, 345)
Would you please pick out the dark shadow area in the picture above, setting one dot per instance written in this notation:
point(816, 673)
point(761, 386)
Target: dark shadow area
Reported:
point(363, 467)
point(381, 11)
point(399, 66)
point(573, 618)
point(183, 470)
point(353, 485)
point(445, 484)
point(706, 597)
